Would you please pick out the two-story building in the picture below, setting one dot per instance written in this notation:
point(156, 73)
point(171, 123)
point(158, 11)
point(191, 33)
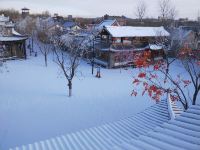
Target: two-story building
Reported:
point(117, 45)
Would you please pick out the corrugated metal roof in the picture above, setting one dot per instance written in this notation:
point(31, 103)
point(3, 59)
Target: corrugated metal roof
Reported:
point(107, 135)
point(182, 133)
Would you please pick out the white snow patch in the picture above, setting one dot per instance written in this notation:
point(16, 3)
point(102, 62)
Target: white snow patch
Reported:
point(34, 102)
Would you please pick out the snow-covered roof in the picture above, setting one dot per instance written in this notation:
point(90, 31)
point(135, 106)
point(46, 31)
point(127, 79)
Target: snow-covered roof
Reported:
point(15, 32)
point(25, 8)
point(4, 21)
point(12, 38)
point(129, 31)
point(3, 18)
point(69, 24)
point(106, 136)
point(181, 133)
point(106, 23)
point(155, 47)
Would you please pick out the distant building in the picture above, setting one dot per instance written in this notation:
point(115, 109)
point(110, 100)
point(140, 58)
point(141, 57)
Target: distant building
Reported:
point(186, 35)
point(106, 22)
point(49, 24)
point(70, 18)
point(71, 26)
point(12, 44)
point(25, 12)
point(183, 19)
point(117, 45)
point(122, 21)
point(58, 18)
point(90, 27)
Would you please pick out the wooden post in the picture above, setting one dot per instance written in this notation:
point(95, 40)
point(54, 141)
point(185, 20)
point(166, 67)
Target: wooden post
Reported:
point(24, 48)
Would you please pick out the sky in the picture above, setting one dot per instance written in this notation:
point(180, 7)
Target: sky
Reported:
point(94, 8)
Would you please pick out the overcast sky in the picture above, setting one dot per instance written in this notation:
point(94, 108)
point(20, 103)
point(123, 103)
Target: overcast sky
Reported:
point(93, 8)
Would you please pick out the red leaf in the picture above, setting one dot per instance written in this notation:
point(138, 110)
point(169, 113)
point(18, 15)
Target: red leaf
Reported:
point(136, 81)
point(142, 75)
point(153, 88)
point(186, 82)
point(173, 97)
point(154, 76)
point(156, 67)
point(150, 93)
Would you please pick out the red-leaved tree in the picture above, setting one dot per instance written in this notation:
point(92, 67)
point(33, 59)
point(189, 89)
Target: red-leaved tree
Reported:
point(179, 76)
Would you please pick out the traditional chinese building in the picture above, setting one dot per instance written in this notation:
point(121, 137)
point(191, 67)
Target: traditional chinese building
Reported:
point(117, 45)
point(25, 12)
point(12, 44)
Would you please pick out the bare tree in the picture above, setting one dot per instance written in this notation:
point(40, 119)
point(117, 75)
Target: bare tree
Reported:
point(46, 13)
point(68, 55)
point(90, 44)
point(173, 13)
point(43, 42)
point(141, 10)
point(27, 26)
point(12, 13)
point(198, 16)
point(164, 6)
point(167, 11)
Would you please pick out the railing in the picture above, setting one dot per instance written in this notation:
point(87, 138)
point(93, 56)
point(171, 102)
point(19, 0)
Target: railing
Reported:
point(170, 108)
point(102, 45)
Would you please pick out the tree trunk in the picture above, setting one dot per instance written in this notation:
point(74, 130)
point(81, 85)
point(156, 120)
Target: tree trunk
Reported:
point(45, 58)
point(92, 67)
point(186, 106)
point(70, 87)
point(195, 97)
point(24, 48)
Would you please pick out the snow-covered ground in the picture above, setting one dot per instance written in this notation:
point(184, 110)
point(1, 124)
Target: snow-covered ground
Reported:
point(34, 104)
